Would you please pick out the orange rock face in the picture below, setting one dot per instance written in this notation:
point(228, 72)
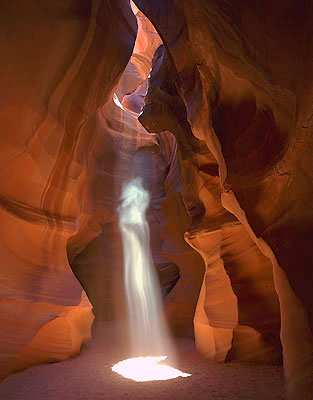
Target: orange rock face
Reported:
point(58, 67)
point(233, 83)
point(66, 149)
point(217, 235)
point(245, 81)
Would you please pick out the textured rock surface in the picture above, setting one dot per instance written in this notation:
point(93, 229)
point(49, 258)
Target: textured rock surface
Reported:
point(219, 238)
point(235, 87)
point(60, 63)
point(244, 76)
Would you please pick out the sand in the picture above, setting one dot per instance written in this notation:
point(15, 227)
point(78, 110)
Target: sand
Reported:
point(89, 377)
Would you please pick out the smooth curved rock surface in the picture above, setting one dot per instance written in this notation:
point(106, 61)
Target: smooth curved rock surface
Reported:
point(61, 61)
point(238, 97)
point(217, 235)
point(243, 73)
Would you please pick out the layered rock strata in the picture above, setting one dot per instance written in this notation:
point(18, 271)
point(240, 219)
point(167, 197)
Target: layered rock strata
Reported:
point(60, 62)
point(244, 76)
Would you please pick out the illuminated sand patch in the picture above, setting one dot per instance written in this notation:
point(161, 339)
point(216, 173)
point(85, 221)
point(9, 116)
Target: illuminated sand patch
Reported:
point(146, 369)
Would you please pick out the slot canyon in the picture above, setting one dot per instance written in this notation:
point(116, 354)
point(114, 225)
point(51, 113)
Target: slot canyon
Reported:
point(206, 106)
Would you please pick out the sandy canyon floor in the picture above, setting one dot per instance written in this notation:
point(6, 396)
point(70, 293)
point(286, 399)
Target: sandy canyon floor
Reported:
point(89, 377)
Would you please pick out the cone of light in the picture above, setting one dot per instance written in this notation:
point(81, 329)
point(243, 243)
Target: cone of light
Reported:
point(148, 331)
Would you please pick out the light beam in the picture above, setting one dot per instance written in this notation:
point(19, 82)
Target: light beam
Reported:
point(148, 330)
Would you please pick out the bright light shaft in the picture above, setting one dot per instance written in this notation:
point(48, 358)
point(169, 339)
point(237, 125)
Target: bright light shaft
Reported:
point(147, 326)
point(149, 336)
point(145, 369)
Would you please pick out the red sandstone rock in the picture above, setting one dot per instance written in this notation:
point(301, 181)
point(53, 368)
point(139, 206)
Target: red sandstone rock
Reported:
point(244, 74)
point(60, 62)
point(240, 104)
